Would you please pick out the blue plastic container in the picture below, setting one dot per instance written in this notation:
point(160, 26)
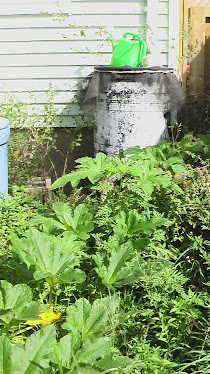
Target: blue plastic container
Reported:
point(4, 137)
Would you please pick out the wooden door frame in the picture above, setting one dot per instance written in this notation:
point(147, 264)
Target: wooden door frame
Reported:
point(196, 11)
point(197, 45)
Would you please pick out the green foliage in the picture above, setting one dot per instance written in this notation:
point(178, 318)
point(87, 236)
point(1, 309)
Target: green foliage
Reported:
point(46, 257)
point(34, 357)
point(85, 321)
point(79, 221)
point(87, 350)
point(86, 358)
point(16, 304)
point(15, 212)
point(33, 139)
point(149, 168)
point(164, 155)
point(116, 269)
point(133, 223)
point(75, 351)
point(93, 169)
point(121, 267)
point(153, 363)
point(5, 352)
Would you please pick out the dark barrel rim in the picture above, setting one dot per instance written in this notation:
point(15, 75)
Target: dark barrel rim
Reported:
point(130, 69)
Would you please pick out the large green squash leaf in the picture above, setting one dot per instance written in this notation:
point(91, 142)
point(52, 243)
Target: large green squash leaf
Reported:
point(14, 297)
point(77, 315)
point(34, 358)
point(98, 353)
point(60, 182)
point(48, 225)
point(91, 356)
point(91, 168)
point(16, 303)
point(88, 369)
point(117, 268)
point(93, 349)
point(99, 316)
point(132, 223)
point(5, 352)
point(72, 276)
point(162, 154)
point(115, 363)
point(149, 176)
point(86, 321)
point(69, 240)
point(45, 255)
point(71, 244)
point(63, 354)
point(69, 353)
point(78, 221)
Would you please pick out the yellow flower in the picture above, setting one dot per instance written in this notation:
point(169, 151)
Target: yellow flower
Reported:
point(176, 177)
point(185, 183)
point(46, 318)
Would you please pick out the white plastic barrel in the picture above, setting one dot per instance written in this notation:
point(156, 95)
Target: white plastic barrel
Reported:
point(130, 110)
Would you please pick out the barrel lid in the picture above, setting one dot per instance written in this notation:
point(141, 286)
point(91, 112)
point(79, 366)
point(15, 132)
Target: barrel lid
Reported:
point(4, 123)
point(129, 69)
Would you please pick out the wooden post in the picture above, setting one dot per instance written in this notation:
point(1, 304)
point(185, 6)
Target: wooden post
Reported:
point(185, 43)
point(207, 54)
point(197, 45)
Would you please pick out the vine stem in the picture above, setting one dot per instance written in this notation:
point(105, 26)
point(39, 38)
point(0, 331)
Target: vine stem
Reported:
point(23, 330)
point(51, 285)
point(51, 296)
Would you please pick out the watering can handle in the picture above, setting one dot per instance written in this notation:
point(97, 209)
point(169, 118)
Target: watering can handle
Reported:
point(124, 35)
point(133, 35)
point(143, 49)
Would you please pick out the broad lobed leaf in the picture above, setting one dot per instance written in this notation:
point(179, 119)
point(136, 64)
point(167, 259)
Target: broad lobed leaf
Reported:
point(16, 303)
point(5, 355)
point(34, 358)
point(79, 220)
point(45, 254)
point(86, 321)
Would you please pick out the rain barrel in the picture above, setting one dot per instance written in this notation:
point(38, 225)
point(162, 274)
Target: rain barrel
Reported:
point(131, 107)
point(4, 137)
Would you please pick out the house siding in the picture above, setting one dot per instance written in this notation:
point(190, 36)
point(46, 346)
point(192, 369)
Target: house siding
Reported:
point(38, 49)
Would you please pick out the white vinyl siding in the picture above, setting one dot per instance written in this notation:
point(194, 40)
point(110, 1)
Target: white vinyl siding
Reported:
point(157, 34)
point(22, 7)
point(38, 48)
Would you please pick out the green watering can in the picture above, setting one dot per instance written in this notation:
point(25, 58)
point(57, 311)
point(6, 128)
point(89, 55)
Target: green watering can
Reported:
point(128, 51)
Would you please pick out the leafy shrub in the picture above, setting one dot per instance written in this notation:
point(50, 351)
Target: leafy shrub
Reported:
point(121, 267)
point(33, 139)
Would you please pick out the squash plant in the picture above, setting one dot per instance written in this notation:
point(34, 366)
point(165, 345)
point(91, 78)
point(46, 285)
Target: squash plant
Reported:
point(111, 285)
